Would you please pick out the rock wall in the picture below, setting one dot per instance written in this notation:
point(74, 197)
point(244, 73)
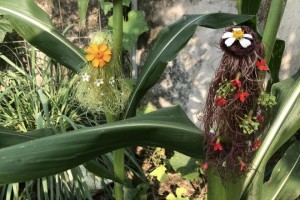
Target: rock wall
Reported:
point(185, 81)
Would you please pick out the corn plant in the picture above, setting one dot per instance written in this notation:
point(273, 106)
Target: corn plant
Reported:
point(24, 158)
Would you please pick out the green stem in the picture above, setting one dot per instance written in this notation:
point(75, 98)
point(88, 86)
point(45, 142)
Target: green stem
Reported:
point(273, 21)
point(118, 155)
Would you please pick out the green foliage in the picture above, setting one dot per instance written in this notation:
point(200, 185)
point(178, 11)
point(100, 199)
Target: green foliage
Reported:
point(284, 181)
point(83, 6)
point(132, 28)
point(34, 25)
point(179, 192)
point(248, 7)
point(185, 165)
point(5, 27)
point(175, 131)
point(160, 173)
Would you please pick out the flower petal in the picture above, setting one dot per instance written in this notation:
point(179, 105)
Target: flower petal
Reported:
point(229, 41)
point(245, 42)
point(89, 57)
point(102, 47)
point(101, 63)
point(106, 58)
point(227, 35)
point(248, 36)
point(95, 63)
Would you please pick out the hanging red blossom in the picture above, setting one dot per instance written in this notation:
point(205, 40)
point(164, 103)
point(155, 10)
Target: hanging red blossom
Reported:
point(241, 95)
point(261, 65)
point(256, 144)
point(205, 166)
point(236, 82)
point(260, 119)
point(218, 146)
point(220, 101)
point(243, 165)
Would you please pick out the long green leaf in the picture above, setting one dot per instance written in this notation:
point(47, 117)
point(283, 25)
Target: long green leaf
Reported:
point(249, 7)
point(34, 25)
point(285, 180)
point(168, 127)
point(169, 42)
point(9, 137)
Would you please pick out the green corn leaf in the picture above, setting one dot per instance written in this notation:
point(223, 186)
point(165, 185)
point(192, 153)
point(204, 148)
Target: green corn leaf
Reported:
point(168, 127)
point(34, 25)
point(249, 7)
point(10, 137)
point(275, 61)
point(169, 42)
point(285, 180)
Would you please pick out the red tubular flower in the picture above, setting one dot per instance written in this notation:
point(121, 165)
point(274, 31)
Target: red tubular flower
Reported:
point(243, 166)
point(220, 101)
point(260, 119)
point(218, 146)
point(205, 166)
point(261, 65)
point(241, 95)
point(256, 145)
point(236, 82)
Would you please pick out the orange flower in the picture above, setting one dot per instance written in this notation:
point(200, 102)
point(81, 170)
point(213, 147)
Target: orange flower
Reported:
point(98, 54)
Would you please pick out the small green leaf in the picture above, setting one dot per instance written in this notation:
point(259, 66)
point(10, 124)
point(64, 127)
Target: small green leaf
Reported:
point(83, 6)
point(5, 27)
point(106, 6)
point(132, 28)
point(184, 165)
point(179, 192)
point(160, 173)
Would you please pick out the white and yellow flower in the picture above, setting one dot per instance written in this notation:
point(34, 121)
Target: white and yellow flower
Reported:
point(237, 34)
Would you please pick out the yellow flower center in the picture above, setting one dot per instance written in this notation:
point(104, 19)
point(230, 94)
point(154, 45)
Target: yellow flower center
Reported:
point(238, 34)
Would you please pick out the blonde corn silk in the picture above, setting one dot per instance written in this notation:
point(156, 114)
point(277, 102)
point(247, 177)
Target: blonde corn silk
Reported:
point(101, 85)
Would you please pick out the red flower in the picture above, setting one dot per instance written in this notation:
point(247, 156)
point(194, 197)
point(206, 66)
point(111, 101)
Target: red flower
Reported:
point(218, 146)
point(236, 82)
point(256, 144)
point(243, 165)
point(220, 101)
point(260, 119)
point(205, 166)
point(241, 95)
point(261, 65)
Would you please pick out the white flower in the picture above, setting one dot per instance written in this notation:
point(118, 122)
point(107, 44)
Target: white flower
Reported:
point(212, 131)
point(99, 82)
point(85, 77)
point(111, 80)
point(237, 34)
point(224, 164)
point(248, 143)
